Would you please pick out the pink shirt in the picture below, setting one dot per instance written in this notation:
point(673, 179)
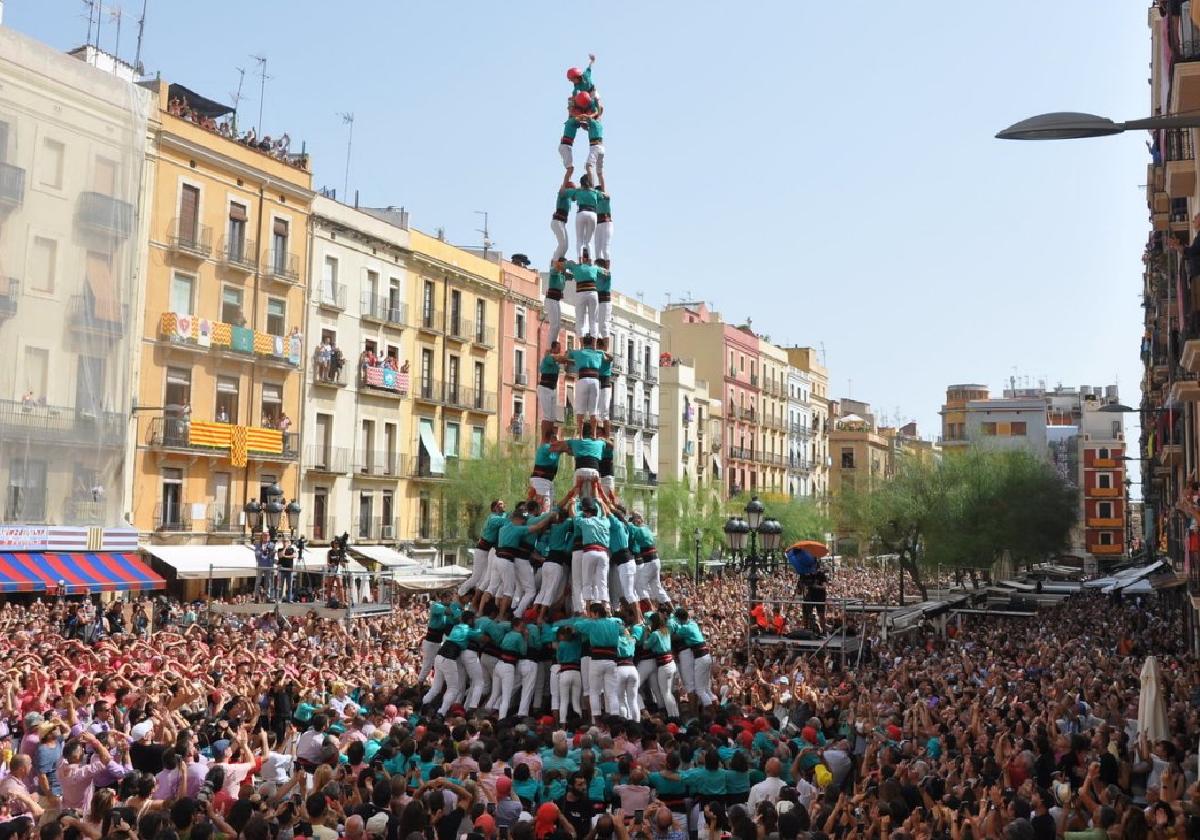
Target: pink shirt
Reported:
point(76, 781)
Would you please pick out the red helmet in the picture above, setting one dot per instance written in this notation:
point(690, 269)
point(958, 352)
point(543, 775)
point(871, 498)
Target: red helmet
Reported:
point(583, 99)
point(574, 73)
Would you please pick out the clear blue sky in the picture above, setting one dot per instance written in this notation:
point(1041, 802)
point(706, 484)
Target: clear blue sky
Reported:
point(827, 169)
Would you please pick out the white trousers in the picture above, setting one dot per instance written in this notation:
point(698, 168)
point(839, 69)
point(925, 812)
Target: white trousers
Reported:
point(544, 488)
point(609, 483)
point(553, 310)
point(577, 582)
point(504, 680)
point(585, 228)
point(428, 652)
point(435, 688)
point(454, 688)
point(527, 670)
point(647, 668)
point(470, 661)
point(479, 570)
point(664, 677)
point(595, 576)
point(687, 671)
point(602, 682)
point(525, 589)
point(605, 406)
point(552, 584)
point(564, 152)
point(488, 664)
point(507, 587)
point(603, 238)
point(702, 671)
point(587, 396)
point(621, 582)
point(570, 695)
point(587, 478)
point(625, 685)
point(649, 582)
point(604, 316)
point(560, 236)
point(491, 583)
point(587, 313)
point(548, 403)
point(595, 162)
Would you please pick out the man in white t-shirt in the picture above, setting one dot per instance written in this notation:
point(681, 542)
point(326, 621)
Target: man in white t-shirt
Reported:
point(768, 789)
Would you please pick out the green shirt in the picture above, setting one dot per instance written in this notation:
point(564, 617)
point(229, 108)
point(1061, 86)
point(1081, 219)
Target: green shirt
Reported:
point(618, 537)
point(592, 530)
point(562, 535)
point(604, 281)
point(562, 202)
point(601, 632)
point(706, 782)
point(604, 205)
point(586, 357)
point(511, 535)
point(491, 527)
point(546, 456)
point(549, 366)
point(584, 199)
point(513, 642)
point(585, 273)
point(557, 280)
point(586, 447)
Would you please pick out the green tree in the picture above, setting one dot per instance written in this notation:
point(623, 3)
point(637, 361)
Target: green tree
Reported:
point(681, 510)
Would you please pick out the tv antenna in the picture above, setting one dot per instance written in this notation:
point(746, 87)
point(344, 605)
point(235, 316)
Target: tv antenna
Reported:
point(236, 96)
point(137, 57)
point(487, 234)
point(347, 119)
point(91, 13)
point(116, 13)
point(262, 89)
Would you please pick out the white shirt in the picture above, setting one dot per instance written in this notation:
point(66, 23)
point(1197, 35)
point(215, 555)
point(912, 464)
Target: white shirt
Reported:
point(308, 747)
point(765, 791)
point(276, 768)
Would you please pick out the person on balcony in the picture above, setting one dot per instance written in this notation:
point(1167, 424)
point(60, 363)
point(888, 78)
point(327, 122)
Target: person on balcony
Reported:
point(285, 422)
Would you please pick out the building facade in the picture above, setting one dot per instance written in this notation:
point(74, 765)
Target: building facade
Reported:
point(808, 361)
point(774, 435)
point(954, 413)
point(636, 348)
point(454, 305)
point(73, 182)
point(522, 350)
point(222, 336)
point(799, 432)
point(688, 426)
point(862, 453)
point(358, 418)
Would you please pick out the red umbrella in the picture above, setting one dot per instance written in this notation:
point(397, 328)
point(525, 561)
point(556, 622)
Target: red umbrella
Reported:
point(816, 549)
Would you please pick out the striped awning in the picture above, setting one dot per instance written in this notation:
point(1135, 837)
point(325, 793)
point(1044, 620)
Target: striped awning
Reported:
point(75, 572)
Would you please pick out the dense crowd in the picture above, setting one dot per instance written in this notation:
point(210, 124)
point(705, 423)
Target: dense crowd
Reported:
point(146, 720)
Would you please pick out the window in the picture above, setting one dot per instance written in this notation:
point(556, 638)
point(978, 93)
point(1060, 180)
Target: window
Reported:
point(424, 516)
point(189, 213)
point(520, 325)
point(43, 264)
point(427, 305)
point(365, 503)
point(988, 429)
point(26, 501)
point(50, 164)
point(518, 408)
point(368, 445)
point(451, 440)
point(235, 245)
point(329, 278)
point(393, 301)
point(176, 396)
point(519, 363)
point(265, 480)
point(227, 399)
point(171, 499)
point(389, 446)
point(220, 507)
point(320, 525)
point(272, 404)
point(1102, 453)
point(373, 285)
point(455, 325)
point(4, 128)
point(452, 369)
point(426, 373)
point(1106, 538)
point(231, 305)
point(480, 319)
point(182, 294)
point(478, 384)
point(1017, 429)
point(1104, 510)
point(1104, 480)
point(476, 442)
point(279, 246)
point(386, 514)
point(276, 314)
point(847, 459)
point(104, 176)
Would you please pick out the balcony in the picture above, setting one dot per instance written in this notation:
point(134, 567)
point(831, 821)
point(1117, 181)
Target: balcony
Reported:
point(383, 382)
point(800, 430)
point(386, 465)
point(458, 328)
point(12, 185)
point(429, 320)
point(1107, 522)
point(482, 402)
point(425, 529)
point(332, 298)
point(521, 380)
point(29, 420)
point(383, 310)
point(237, 255)
point(9, 297)
point(328, 377)
point(652, 374)
point(516, 427)
point(1185, 84)
point(1115, 548)
point(484, 336)
point(1181, 163)
point(456, 395)
point(204, 336)
point(283, 268)
point(633, 369)
point(1171, 453)
point(378, 529)
point(428, 390)
point(754, 380)
point(738, 453)
point(1185, 389)
point(649, 421)
point(173, 517)
point(85, 510)
point(331, 460)
point(84, 317)
point(1103, 492)
point(193, 243)
point(420, 467)
point(618, 364)
point(1189, 360)
point(799, 464)
point(619, 413)
point(644, 478)
point(104, 215)
point(219, 440)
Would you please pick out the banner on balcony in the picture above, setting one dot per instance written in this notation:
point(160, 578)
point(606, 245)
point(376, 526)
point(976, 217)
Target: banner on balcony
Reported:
point(204, 332)
point(295, 348)
point(264, 440)
point(184, 326)
point(242, 339)
point(210, 435)
point(389, 379)
point(237, 446)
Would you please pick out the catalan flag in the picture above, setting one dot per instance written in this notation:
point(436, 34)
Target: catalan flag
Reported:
point(238, 449)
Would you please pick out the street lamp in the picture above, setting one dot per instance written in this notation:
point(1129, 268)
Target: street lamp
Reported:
point(772, 533)
point(697, 536)
point(293, 515)
point(736, 529)
point(1068, 125)
point(253, 511)
point(273, 509)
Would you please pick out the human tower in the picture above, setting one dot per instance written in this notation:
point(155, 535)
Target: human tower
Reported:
point(561, 592)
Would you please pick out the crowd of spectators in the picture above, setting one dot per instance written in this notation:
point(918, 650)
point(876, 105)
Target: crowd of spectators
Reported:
point(160, 721)
point(278, 148)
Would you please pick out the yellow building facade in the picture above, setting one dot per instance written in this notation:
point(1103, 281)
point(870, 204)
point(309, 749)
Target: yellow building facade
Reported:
point(773, 425)
point(219, 381)
point(454, 308)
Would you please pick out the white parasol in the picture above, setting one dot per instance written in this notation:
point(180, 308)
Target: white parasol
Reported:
point(1152, 711)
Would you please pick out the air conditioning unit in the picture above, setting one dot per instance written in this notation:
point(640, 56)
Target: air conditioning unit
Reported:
point(522, 379)
point(387, 532)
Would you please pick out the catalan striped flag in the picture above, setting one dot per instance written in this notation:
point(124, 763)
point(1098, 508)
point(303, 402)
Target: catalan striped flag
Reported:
point(238, 449)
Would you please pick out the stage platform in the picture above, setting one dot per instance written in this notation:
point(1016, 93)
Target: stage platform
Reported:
point(849, 646)
point(287, 610)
